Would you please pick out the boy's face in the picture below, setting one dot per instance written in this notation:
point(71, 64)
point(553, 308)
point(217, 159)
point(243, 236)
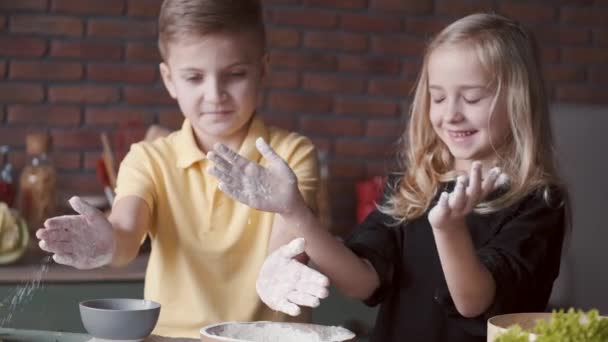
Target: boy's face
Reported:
point(216, 80)
point(461, 100)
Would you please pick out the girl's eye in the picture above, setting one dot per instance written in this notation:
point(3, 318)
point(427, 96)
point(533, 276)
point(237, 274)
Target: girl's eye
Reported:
point(238, 73)
point(439, 100)
point(472, 101)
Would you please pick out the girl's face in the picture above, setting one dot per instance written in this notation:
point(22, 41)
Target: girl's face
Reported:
point(461, 98)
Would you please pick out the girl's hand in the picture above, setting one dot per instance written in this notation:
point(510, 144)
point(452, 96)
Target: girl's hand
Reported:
point(273, 189)
point(284, 283)
point(452, 208)
point(83, 241)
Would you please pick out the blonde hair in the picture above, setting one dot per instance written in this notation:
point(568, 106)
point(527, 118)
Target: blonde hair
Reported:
point(182, 19)
point(509, 53)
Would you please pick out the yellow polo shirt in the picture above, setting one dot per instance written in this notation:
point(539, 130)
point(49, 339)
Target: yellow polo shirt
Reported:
point(207, 249)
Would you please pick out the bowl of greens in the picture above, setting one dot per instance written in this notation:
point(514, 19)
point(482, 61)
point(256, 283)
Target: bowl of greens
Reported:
point(572, 325)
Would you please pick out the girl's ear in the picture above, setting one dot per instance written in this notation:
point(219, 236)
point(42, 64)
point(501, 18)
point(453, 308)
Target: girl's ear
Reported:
point(165, 73)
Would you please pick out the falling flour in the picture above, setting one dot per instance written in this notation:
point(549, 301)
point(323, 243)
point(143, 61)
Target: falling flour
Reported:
point(23, 294)
point(283, 332)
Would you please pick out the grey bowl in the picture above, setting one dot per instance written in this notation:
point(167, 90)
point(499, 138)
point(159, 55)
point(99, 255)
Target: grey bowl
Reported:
point(119, 318)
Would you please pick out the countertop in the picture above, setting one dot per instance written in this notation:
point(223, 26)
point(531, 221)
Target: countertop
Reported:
point(38, 265)
point(20, 335)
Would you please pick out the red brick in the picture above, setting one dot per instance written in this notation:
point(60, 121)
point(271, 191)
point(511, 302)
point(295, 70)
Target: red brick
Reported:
point(171, 118)
point(585, 55)
point(587, 94)
point(16, 46)
point(283, 37)
point(304, 18)
point(347, 169)
point(147, 96)
point(599, 75)
point(425, 26)
point(530, 12)
point(48, 25)
point(341, 4)
point(13, 136)
point(88, 50)
point(562, 35)
point(123, 73)
point(384, 129)
point(398, 46)
point(2, 23)
point(549, 54)
point(560, 72)
point(83, 94)
point(282, 79)
point(143, 52)
point(297, 103)
point(463, 7)
point(36, 5)
point(44, 115)
point(2, 71)
point(62, 160)
point(364, 149)
point(407, 6)
point(38, 70)
point(70, 184)
point(380, 168)
point(303, 61)
point(117, 28)
point(585, 16)
point(350, 42)
point(105, 7)
point(399, 88)
point(600, 37)
point(321, 144)
point(143, 8)
point(331, 127)
point(113, 116)
point(369, 23)
point(21, 93)
point(369, 65)
point(369, 107)
point(77, 139)
point(332, 83)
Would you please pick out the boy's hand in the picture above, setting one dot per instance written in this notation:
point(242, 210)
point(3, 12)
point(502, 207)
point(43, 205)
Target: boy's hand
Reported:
point(284, 283)
point(273, 189)
point(452, 208)
point(83, 241)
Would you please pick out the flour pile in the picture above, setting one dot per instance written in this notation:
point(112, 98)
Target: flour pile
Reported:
point(282, 332)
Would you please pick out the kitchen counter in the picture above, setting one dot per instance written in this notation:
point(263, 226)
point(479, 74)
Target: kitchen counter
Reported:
point(31, 266)
point(22, 335)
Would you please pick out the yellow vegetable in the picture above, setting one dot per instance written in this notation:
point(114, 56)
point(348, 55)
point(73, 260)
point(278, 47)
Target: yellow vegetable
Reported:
point(14, 235)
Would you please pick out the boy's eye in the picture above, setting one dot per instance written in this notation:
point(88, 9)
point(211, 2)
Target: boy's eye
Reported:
point(194, 78)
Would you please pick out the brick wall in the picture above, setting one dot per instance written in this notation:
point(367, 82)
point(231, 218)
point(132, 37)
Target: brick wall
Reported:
point(341, 73)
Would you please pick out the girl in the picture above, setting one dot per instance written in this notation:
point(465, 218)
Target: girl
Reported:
point(474, 225)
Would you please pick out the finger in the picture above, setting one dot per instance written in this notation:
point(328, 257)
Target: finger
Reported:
point(313, 289)
point(221, 175)
point(474, 188)
point(292, 249)
point(56, 234)
point(230, 156)
point(489, 183)
point(84, 209)
point(219, 162)
point(288, 308)
point(303, 299)
point(503, 180)
point(457, 199)
point(311, 275)
point(60, 221)
point(58, 247)
point(273, 158)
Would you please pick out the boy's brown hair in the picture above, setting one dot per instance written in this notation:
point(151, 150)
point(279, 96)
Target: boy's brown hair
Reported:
point(183, 18)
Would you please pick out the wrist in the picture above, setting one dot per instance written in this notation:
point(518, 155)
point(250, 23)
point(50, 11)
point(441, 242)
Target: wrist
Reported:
point(450, 227)
point(296, 209)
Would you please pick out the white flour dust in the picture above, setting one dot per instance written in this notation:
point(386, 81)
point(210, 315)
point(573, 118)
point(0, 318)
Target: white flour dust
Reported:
point(283, 332)
point(22, 294)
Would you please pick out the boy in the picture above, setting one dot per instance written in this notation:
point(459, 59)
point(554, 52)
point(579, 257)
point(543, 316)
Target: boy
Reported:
point(207, 249)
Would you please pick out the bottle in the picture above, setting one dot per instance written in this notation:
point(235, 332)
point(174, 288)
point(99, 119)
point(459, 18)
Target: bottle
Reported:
point(7, 184)
point(323, 193)
point(38, 182)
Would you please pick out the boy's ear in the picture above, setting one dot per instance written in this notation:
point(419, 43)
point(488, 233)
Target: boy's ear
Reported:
point(167, 79)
